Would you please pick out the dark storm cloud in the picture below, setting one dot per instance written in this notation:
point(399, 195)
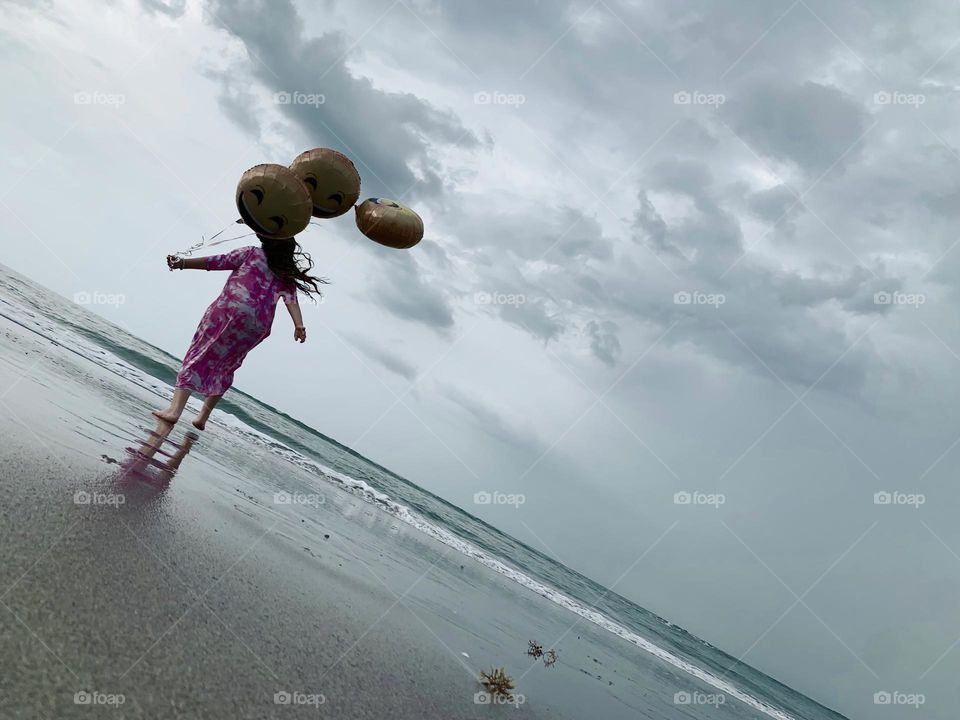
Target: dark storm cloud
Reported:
point(581, 237)
point(764, 320)
point(492, 422)
point(604, 342)
point(815, 126)
point(775, 112)
point(534, 231)
point(236, 100)
point(592, 288)
point(650, 226)
point(808, 124)
point(383, 357)
point(402, 290)
point(395, 158)
point(563, 238)
point(709, 237)
point(753, 330)
point(436, 253)
point(774, 108)
point(532, 316)
point(772, 204)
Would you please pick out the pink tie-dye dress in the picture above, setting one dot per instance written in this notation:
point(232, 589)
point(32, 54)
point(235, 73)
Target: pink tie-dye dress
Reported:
point(236, 322)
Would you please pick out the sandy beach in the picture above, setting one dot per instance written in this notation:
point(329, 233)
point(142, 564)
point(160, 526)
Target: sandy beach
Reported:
point(126, 592)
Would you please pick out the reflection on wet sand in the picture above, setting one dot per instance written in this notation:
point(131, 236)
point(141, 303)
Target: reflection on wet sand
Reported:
point(143, 464)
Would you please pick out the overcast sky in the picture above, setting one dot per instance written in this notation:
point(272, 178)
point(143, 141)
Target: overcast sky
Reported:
point(671, 246)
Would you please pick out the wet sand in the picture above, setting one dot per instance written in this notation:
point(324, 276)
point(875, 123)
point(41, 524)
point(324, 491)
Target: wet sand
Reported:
point(199, 595)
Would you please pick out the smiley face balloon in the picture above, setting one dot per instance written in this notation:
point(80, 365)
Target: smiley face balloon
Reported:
point(389, 223)
point(331, 178)
point(273, 202)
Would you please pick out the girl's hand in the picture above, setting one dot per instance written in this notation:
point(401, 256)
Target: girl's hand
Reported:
point(300, 335)
point(174, 263)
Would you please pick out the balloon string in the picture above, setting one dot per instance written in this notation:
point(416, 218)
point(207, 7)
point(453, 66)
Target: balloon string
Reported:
point(226, 240)
point(207, 243)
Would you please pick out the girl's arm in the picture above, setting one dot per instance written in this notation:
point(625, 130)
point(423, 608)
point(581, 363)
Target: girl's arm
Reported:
point(293, 307)
point(175, 263)
point(229, 261)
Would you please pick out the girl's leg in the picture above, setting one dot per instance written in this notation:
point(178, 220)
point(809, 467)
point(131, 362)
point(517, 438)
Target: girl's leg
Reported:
point(173, 413)
point(200, 422)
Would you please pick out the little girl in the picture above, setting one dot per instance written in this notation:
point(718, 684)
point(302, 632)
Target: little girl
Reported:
point(240, 319)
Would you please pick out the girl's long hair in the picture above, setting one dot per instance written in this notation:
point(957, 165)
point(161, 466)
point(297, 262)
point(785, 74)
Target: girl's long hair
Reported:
point(292, 265)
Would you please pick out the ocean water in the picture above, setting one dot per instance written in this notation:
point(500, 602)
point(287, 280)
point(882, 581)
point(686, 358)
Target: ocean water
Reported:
point(98, 341)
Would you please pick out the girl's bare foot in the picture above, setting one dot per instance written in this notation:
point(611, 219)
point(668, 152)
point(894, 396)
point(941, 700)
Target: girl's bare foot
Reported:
point(200, 421)
point(168, 416)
